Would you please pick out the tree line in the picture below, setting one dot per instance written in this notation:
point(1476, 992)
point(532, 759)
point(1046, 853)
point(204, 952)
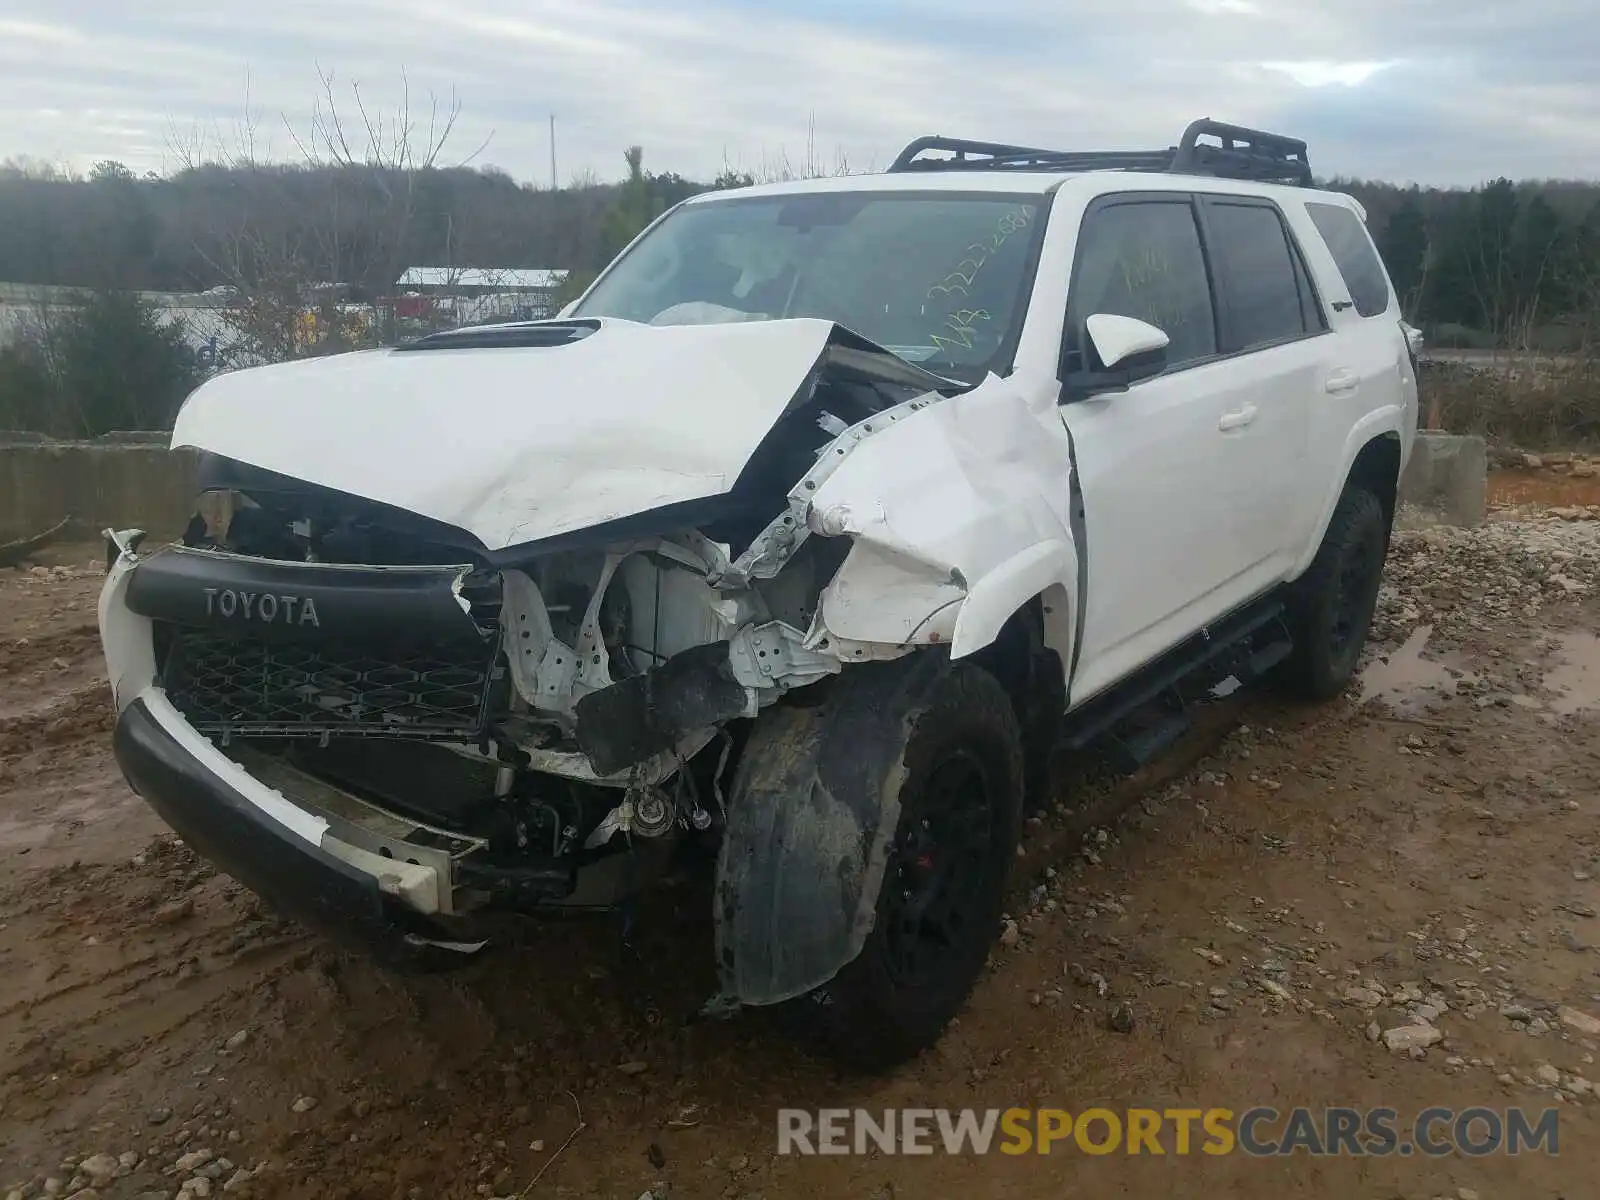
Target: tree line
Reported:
point(1495, 264)
point(1502, 264)
point(216, 225)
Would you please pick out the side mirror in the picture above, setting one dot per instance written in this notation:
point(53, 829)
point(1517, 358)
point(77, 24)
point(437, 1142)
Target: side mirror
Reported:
point(1126, 342)
point(1120, 351)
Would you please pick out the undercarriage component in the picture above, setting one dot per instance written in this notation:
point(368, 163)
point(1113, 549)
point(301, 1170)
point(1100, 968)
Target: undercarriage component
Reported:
point(646, 811)
point(518, 884)
point(423, 779)
point(813, 808)
point(652, 813)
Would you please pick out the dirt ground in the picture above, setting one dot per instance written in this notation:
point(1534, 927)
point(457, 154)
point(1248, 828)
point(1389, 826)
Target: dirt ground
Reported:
point(1425, 848)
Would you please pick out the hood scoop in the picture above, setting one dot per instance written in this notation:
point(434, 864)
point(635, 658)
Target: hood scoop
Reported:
point(522, 335)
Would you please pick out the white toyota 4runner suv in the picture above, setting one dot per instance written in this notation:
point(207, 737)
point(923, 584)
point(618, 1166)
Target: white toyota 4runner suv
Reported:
point(805, 535)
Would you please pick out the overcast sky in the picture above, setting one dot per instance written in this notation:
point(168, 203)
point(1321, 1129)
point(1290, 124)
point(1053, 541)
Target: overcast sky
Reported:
point(1437, 91)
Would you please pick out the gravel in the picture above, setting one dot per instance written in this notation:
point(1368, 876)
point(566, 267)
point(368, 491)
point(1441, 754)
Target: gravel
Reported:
point(99, 1168)
point(1579, 1022)
point(1411, 1037)
point(1460, 580)
point(1121, 1018)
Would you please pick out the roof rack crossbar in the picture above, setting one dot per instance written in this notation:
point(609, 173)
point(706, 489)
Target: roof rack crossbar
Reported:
point(1234, 153)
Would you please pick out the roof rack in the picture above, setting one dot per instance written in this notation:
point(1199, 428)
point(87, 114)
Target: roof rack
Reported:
point(1235, 153)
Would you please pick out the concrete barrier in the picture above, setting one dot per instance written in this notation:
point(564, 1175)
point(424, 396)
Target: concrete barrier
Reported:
point(1447, 480)
point(120, 480)
point(133, 479)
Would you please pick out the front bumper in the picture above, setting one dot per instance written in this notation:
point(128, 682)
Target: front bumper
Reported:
point(292, 856)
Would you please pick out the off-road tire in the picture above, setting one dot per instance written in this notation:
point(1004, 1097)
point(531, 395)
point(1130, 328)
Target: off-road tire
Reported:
point(873, 1014)
point(1331, 605)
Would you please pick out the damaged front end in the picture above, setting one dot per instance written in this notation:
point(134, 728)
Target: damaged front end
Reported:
point(440, 728)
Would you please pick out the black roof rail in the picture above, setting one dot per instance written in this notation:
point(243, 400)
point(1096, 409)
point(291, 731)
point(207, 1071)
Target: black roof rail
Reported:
point(1230, 152)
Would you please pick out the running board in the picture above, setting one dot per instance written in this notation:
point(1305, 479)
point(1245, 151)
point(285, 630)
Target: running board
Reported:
point(1268, 657)
point(1148, 744)
point(1244, 645)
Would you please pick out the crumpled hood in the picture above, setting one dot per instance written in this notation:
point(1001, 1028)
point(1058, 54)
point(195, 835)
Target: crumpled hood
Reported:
point(513, 443)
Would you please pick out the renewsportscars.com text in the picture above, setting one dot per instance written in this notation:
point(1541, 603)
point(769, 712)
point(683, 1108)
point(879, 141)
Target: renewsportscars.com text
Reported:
point(1258, 1132)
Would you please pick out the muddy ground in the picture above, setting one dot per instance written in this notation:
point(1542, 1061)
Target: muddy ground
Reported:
point(1424, 849)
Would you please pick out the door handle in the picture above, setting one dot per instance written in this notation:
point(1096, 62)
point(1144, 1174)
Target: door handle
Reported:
point(1341, 381)
point(1239, 419)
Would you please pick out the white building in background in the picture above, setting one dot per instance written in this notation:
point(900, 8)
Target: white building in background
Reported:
point(200, 313)
point(474, 295)
point(425, 298)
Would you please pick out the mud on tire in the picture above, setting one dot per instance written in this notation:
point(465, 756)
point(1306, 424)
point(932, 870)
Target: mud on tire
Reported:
point(938, 911)
point(1331, 605)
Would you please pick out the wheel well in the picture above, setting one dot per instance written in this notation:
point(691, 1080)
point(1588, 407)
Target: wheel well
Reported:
point(1377, 467)
point(1020, 658)
point(1029, 669)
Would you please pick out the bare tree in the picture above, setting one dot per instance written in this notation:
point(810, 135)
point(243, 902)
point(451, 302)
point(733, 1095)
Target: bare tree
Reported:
point(338, 224)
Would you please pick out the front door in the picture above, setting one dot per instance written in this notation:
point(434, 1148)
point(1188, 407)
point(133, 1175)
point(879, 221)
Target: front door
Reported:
point(1184, 477)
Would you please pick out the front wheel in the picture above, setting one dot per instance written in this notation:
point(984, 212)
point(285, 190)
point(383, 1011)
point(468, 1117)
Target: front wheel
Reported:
point(938, 910)
point(1331, 605)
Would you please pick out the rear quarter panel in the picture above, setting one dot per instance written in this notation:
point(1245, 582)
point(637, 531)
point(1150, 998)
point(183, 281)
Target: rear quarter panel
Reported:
point(1385, 402)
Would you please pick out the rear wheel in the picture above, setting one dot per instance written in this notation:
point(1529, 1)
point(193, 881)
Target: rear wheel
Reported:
point(939, 906)
point(1331, 605)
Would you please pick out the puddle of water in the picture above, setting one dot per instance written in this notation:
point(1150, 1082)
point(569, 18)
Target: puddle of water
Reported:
point(1575, 679)
point(1405, 681)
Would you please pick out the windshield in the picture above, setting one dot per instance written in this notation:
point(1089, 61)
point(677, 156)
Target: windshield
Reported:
point(939, 278)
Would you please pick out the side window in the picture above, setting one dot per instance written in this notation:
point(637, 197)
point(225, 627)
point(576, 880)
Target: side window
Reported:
point(1310, 310)
point(1143, 259)
point(1250, 249)
point(1355, 255)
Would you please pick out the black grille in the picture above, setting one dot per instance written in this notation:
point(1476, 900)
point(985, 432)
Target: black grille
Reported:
point(250, 686)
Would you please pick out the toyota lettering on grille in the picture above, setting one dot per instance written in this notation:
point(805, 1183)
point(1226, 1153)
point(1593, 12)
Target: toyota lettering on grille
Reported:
point(266, 607)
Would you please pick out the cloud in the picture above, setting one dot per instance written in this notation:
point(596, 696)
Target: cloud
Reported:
point(1436, 90)
point(1319, 73)
point(38, 33)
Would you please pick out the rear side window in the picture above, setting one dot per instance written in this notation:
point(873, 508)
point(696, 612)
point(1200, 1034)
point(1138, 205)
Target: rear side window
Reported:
point(1355, 255)
point(1251, 253)
point(1143, 259)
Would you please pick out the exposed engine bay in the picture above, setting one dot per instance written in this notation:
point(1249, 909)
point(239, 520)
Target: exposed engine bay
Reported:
point(535, 709)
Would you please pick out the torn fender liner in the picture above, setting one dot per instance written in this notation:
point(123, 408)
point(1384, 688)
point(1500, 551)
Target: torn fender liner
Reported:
point(814, 807)
point(634, 720)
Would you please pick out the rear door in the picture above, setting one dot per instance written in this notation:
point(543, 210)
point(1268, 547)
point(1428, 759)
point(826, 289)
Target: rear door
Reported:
point(1273, 332)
